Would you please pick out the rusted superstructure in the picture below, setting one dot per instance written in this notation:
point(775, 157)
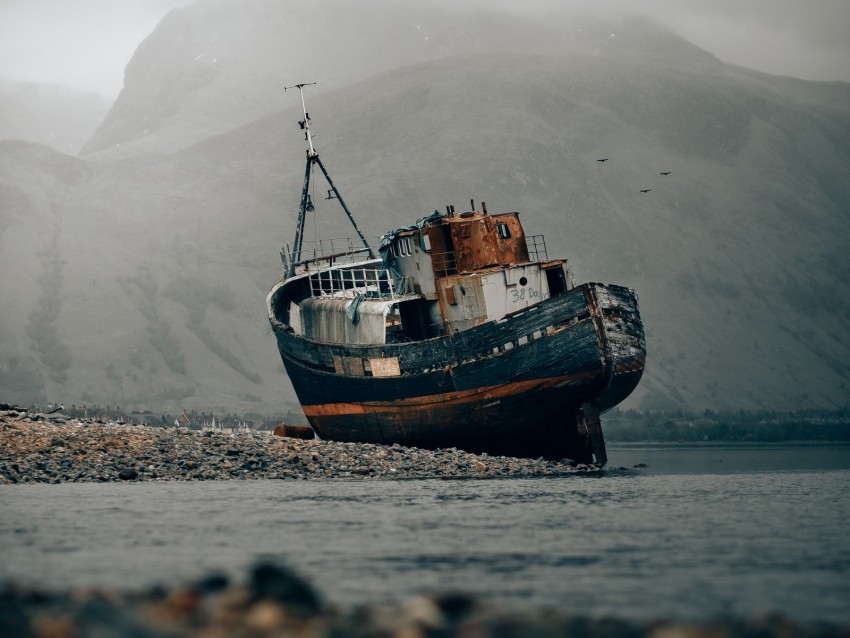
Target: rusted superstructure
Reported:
point(462, 334)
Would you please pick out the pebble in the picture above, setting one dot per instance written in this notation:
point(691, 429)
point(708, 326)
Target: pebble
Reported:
point(40, 448)
point(274, 601)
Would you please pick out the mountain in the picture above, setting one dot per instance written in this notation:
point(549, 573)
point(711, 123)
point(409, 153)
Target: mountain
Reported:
point(213, 65)
point(139, 277)
point(737, 255)
point(61, 117)
point(110, 289)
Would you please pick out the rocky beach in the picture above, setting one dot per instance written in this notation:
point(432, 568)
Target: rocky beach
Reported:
point(52, 448)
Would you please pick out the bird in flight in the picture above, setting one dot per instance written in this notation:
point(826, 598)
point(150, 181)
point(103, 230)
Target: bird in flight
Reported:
point(667, 173)
point(604, 159)
point(645, 190)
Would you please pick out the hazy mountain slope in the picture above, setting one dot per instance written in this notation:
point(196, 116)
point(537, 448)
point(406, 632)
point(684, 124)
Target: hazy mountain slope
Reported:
point(738, 255)
point(142, 281)
point(216, 64)
point(110, 288)
point(37, 188)
point(61, 117)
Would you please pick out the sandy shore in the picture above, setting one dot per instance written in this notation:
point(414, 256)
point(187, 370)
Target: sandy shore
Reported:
point(39, 448)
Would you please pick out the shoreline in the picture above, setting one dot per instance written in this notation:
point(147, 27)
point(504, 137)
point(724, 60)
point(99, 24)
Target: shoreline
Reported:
point(40, 448)
point(708, 445)
point(271, 600)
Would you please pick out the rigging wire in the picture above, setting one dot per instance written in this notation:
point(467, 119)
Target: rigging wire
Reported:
point(316, 251)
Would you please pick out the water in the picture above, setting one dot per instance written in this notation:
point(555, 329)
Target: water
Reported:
point(700, 533)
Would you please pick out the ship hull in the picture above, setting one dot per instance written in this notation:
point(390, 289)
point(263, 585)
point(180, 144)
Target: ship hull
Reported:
point(519, 386)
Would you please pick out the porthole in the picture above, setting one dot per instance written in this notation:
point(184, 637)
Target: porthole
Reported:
point(523, 281)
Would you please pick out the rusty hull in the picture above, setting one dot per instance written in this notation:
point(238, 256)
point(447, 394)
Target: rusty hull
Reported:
point(517, 387)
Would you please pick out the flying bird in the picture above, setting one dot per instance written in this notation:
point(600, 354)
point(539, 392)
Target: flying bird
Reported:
point(667, 173)
point(645, 190)
point(604, 159)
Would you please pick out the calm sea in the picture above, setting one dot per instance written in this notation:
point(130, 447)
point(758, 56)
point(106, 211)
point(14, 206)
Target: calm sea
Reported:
point(701, 532)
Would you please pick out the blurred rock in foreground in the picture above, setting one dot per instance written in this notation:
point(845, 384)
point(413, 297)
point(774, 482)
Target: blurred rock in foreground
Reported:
point(274, 601)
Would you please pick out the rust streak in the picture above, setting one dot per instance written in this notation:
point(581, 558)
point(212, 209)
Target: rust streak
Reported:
point(488, 393)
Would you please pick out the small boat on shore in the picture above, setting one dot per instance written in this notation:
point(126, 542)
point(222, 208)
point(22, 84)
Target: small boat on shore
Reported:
point(459, 332)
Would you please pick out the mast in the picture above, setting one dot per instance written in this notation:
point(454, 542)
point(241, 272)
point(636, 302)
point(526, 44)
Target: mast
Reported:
point(306, 204)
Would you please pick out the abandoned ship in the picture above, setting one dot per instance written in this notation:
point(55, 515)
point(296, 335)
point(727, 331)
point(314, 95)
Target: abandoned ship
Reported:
point(460, 332)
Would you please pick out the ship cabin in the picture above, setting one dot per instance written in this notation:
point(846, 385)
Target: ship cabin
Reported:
point(446, 274)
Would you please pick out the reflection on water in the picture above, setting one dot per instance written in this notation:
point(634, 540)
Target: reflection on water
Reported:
point(659, 541)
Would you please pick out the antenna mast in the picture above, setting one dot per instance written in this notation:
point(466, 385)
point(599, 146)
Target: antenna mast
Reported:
point(306, 204)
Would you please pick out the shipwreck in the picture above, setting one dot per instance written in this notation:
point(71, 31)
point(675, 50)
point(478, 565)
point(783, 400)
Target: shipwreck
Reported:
point(459, 331)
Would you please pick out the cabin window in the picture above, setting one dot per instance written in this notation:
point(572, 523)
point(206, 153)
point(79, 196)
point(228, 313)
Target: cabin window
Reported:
point(450, 295)
point(503, 230)
point(403, 247)
point(426, 242)
point(557, 281)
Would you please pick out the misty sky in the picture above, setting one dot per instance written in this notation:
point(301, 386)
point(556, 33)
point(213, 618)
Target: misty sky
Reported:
point(87, 43)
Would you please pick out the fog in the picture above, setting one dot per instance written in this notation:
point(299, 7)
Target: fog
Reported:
point(139, 246)
point(87, 43)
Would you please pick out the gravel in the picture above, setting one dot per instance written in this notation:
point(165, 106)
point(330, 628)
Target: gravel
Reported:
point(53, 448)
